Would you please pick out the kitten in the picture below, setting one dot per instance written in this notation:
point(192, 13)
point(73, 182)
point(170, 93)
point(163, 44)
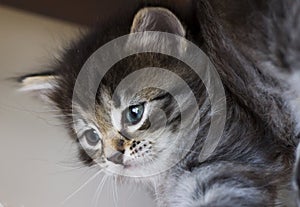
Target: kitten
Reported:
point(126, 131)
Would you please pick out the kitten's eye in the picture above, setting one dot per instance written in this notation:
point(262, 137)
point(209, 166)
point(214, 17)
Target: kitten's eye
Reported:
point(92, 137)
point(134, 114)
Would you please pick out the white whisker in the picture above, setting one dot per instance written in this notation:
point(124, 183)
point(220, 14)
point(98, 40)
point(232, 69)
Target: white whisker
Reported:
point(99, 190)
point(80, 188)
point(115, 191)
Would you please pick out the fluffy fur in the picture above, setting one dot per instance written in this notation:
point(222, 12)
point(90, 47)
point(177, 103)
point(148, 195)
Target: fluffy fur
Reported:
point(258, 64)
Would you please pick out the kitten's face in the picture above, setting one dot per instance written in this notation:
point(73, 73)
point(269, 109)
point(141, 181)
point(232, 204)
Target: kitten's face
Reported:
point(138, 132)
point(136, 127)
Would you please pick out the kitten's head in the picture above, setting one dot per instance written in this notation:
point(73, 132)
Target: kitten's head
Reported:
point(135, 123)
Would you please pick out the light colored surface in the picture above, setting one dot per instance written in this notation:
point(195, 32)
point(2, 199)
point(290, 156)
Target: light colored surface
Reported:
point(38, 164)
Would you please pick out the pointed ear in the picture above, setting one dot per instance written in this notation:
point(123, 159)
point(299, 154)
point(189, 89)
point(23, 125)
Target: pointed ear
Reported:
point(161, 20)
point(157, 19)
point(39, 84)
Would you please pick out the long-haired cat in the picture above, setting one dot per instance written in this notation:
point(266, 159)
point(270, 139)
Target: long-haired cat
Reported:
point(252, 164)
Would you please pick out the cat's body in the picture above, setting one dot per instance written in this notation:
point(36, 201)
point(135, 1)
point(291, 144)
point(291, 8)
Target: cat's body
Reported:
point(253, 163)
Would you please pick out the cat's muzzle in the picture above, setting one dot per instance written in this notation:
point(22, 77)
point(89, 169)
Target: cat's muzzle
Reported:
point(115, 153)
point(116, 158)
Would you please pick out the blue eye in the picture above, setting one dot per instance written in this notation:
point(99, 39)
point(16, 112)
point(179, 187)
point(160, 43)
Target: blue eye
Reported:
point(92, 137)
point(134, 114)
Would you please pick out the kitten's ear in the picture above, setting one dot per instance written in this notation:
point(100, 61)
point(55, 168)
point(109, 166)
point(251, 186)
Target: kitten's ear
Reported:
point(157, 19)
point(39, 84)
point(161, 20)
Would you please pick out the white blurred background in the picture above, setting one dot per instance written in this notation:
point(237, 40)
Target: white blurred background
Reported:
point(38, 165)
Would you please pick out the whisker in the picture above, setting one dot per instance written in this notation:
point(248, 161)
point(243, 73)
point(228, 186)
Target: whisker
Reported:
point(115, 191)
point(80, 188)
point(130, 197)
point(99, 189)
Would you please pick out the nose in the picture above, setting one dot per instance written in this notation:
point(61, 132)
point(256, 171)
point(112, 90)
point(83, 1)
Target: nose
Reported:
point(116, 158)
point(116, 152)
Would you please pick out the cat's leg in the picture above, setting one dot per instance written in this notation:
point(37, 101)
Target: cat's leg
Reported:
point(225, 185)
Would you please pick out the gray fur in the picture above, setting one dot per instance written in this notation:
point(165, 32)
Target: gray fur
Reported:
point(257, 62)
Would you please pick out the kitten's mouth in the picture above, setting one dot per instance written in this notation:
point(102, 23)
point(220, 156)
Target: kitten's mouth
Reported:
point(118, 159)
point(133, 154)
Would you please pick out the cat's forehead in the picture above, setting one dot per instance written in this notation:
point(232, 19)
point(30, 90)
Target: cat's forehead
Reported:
point(139, 85)
point(126, 97)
